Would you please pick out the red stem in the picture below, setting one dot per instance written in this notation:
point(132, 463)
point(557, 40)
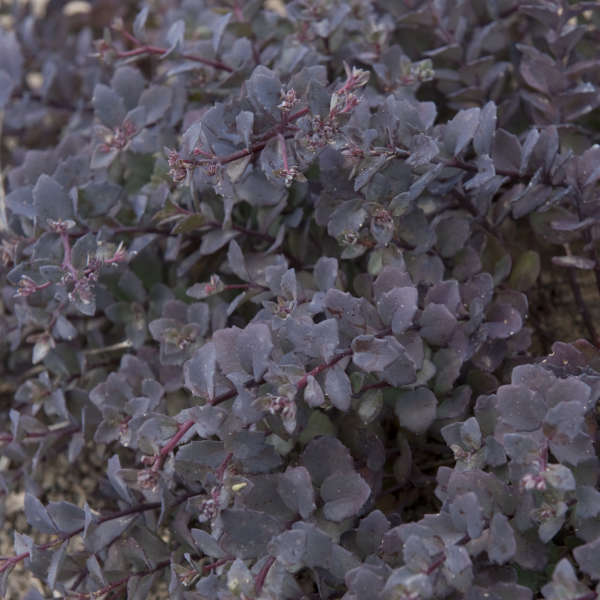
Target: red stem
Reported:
point(284, 154)
point(323, 367)
point(67, 261)
point(259, 581)
point(67, 429)
point(140, 508)
point(435, 565)
point(223, 467)
point(147, 49)
point(233, 393)
point(43, 286)
point(223, 160)
point(203, 153)
point(161, 565)
point(304, 379)
point(289, 119)
point(214, 565)
point(461, 164)
point(165, 450)
point(117, 584)
point(130, 37)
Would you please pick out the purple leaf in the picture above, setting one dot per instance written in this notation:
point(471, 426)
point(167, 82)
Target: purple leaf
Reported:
point(520, 407)
point(50, 201)
point(372, 354)
point(296, 490)
point(502, 545)
point(175, 38)
point(324, 456)
point(507, 151)
point(416, 409)
point(68, 517)
point(199, 371)
point(108, 106)
point(236, 261)
point(466, 514)
point(246, 533)
point(344, 494)
point(588, 558)
point(503, 321)
point(313, 394)
point(460, 130)
point(156, 100)
point(325, 272)
point(338, 388)
point(207, 543)
point(370, 532)
point(484, 136)
point(398, 307)
point(37, 516)
point(437, 324)
point(254, 347)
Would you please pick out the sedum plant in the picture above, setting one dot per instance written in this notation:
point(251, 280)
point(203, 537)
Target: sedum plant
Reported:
point(272, 267)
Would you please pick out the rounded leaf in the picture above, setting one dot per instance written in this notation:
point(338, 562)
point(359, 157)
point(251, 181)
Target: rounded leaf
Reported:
point(416, 409)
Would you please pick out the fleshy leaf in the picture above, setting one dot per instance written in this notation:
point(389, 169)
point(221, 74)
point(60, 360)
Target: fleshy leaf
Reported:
point(50, 201)
point(374, 354)
point(460, 130)
point(296, 490)
point(289, 548)
point(108, 106)
point(156, 100)
point(466, 514)
point(218, 28)
point(371, 531)
point(99, 536)
point(246, 533)
point(68, 517)
point(207, 543)
point(502, 545)
point(139, 23)
point(397, 308)
point(588, 558)
point(254, 346)
point(236, 261)
point(199, 371)
point(437, 324)
point(504, 320)
point(313, 394)
point(344, 494)
point(264, 89)
point(325, 456)
point(175, 36)
point(416, 409)
point(37, 516)
point(338, 387)
point(325, 272)
point(484, 136)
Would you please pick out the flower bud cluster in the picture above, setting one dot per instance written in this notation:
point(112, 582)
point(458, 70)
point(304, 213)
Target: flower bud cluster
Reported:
point(178, 168)
point(119, 137)
point(288, 100)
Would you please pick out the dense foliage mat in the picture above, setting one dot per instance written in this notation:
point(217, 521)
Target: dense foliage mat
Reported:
point(271, 263)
